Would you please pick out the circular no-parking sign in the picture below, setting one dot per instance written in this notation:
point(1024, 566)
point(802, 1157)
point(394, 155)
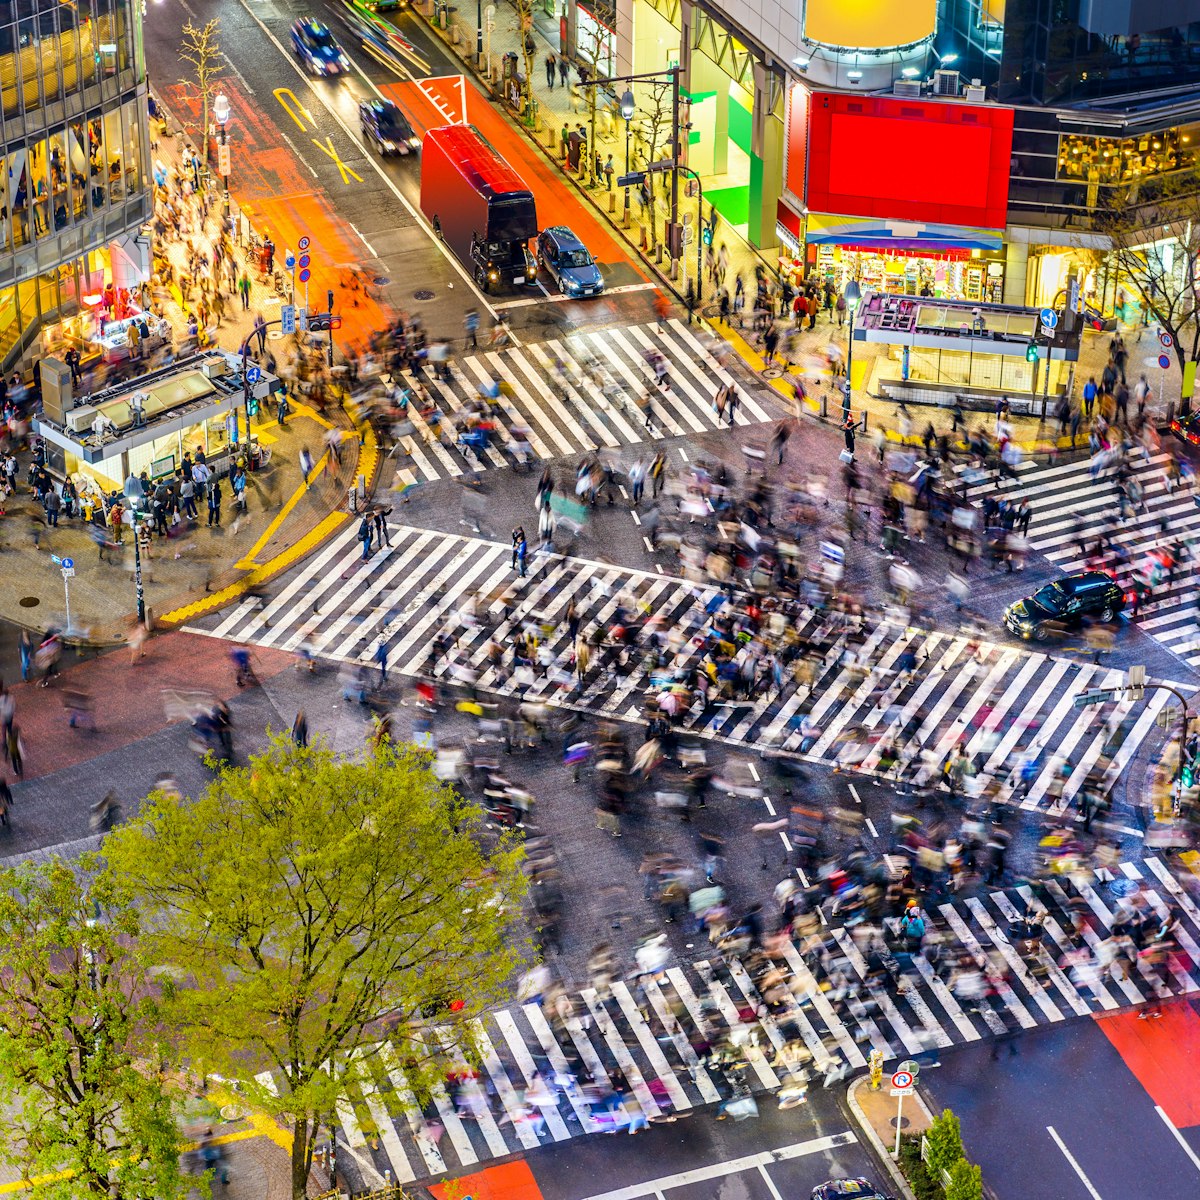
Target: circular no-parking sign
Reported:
point(1165, 340)
point(902, 1080)
point(305, 275)
point(1164, 361)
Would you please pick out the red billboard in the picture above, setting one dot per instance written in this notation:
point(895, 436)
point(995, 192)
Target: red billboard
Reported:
point(909, 160)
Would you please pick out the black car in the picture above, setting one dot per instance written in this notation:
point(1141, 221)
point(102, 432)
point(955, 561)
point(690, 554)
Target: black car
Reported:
point(384, 124)
point(848, 1189)
point(1065, 602)
point(1186, 427)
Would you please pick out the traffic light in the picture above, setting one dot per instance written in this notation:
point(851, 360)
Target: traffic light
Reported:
point(1187, 775)
point(706, 235)
point(1031, 352)
point(319, 322)
point(252, 405)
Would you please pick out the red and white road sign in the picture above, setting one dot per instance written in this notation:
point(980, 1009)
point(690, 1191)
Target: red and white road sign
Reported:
point(902, 1081)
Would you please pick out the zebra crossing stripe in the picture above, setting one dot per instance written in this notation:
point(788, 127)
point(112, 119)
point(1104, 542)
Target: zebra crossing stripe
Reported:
point(428, 1148)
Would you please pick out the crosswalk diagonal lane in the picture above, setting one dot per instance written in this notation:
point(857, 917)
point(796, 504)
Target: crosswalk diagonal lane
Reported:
point(647, 1029)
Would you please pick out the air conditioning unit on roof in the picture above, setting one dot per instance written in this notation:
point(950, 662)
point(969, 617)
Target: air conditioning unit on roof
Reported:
point(910, 89)
point(945, 83)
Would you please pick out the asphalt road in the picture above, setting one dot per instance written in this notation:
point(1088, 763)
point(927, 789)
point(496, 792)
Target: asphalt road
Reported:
point(1086, 1127)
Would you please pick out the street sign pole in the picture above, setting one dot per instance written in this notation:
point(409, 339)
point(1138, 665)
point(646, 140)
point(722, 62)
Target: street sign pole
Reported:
point(67, 572)
point(137, 568)
point(902, 1083)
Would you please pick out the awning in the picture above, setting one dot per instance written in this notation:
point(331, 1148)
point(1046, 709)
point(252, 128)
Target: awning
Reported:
point(825, 229)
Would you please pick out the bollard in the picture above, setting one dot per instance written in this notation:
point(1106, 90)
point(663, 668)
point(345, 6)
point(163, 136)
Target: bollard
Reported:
point(352, 499)
point(612, 202)
point(362, 487)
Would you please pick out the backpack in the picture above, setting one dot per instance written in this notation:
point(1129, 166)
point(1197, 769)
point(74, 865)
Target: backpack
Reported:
point(912, 926)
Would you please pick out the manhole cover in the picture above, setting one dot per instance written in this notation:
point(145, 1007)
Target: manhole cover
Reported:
point(1118, 887)
point(423, 294)
point(772, 372)
point(381, 281)
point(29, 602)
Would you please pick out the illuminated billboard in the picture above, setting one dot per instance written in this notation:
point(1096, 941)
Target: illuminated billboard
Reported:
point(869, 24)
point(914, 160)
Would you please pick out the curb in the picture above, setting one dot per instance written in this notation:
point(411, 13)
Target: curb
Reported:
point(881, 1151)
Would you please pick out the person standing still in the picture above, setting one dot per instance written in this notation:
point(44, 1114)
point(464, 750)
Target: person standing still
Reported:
point(551, 70)
point(214, 502)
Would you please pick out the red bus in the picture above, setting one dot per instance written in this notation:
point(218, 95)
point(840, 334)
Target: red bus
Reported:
point(478, 204)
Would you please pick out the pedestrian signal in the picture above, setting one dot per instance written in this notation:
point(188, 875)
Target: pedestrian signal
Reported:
point(1187, 775)
point(706, 235)
point(252, 406)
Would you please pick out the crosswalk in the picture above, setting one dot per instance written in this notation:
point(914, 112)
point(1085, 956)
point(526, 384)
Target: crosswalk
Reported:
point(938, 689)
point(1069, 505)
point(576, 394)
point(538, 1064)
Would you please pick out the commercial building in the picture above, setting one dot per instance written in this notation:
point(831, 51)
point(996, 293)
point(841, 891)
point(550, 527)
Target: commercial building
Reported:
point(148, 424)
point(957, 148)
point(76, 189)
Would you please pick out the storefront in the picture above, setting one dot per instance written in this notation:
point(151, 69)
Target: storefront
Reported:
point(943, 352)
point(148, 424)
point(903, 258)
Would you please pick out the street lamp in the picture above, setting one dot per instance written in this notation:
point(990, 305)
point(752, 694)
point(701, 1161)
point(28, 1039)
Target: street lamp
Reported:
point(221, 114)
point(628, 104)
point(852, 294)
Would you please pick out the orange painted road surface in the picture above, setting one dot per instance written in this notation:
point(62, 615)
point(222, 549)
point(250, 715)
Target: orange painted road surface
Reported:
point(1162, 1053)
point(448, 100)
point(279, 202)
point(509, 1181)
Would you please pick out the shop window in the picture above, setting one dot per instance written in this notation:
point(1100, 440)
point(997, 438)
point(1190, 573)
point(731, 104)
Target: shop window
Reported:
point(28, 53)
point(131, 116)
point(114, 170)
point(97, 163)
point(18, 193)
point(78, 167)
point(10, 91)
point(60, 182)
point(10, 319)
point(39, 189)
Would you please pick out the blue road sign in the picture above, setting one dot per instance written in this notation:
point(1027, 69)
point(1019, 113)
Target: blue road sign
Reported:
point(1164, 361)
point(305, 260)
point(68, 562)
point(58, 562)
point(305, 275)
point(253, 374)
point(1049, 318)
point(290, 260)
point(304, 242)
point(287, 318)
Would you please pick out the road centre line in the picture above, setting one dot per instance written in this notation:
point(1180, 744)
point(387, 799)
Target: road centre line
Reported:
point(751, 1162)
point(1087, 1183)
point(1179, 1137)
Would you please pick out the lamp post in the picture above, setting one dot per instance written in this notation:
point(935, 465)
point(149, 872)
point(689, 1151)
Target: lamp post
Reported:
point(673, 165)
point(853, 294)
point(628, 104)
point(479, 33)
point(221, 114)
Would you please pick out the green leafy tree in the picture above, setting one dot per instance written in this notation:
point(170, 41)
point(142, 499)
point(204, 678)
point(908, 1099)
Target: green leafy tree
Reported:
point(966, 1181)
point(320, 912)
point(87, 1110)
point(944, 1142)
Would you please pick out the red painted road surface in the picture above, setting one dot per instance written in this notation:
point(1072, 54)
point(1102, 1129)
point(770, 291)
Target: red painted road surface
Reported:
point(446, 100)
point(127, 701)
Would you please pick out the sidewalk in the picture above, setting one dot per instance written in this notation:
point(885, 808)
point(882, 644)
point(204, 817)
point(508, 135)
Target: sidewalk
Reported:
point(554, 108)
point(875, 1113)
point(195, 568)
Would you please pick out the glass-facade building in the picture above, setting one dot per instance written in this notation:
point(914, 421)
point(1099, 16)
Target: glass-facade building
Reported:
point(76, 190)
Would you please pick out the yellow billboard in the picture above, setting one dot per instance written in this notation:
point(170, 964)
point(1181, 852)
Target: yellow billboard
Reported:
point(869, 24)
